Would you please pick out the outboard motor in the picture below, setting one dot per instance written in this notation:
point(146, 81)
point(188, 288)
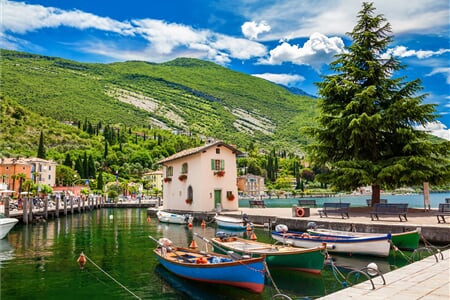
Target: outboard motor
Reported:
point(311, 225)
point(222, 235)
point(186, 218)
point(245, 219)
point(281, 228)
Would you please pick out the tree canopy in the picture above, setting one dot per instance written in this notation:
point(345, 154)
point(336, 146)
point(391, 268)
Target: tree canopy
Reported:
point(366, 127)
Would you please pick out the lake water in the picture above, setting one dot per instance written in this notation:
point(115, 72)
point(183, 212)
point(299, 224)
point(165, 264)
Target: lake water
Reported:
point(39, 261)
point(413, 200)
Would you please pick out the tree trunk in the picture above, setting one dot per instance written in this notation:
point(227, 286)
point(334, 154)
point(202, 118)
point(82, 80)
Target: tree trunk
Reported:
point(375, 194)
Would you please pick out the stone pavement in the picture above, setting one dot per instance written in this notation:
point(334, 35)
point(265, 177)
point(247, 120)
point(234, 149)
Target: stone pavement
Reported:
point(425, 279)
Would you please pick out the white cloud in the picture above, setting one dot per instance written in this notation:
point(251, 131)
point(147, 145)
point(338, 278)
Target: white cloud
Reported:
point(19, 17)
point(284, 79)
point(317, 51)
point(402, 51)
point(443, 71)
point(252, 29)
point(436, 129)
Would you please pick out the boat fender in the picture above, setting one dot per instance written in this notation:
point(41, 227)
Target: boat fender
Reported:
point(305, 236)
point(201, 260)
point(300, 212)
point(330, 246)
point(311, 225)
point(165, 242)
point(281, 228)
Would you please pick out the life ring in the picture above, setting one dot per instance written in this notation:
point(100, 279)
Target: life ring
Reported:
point(300, 212)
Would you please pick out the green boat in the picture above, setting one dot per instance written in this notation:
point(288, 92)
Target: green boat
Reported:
point(408, 240)
point(309, 260)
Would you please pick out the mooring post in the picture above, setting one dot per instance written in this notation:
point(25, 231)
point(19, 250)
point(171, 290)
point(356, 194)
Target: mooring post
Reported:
point(46, 208)
point(25, 211)
point(30, 215)
point(6, 204)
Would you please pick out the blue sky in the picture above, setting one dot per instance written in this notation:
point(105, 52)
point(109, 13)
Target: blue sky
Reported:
point(290, 42)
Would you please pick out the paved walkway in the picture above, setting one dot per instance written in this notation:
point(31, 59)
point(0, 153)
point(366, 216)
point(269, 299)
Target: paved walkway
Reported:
point(425, 279)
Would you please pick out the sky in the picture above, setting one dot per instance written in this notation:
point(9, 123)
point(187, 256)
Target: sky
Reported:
point(290, 42)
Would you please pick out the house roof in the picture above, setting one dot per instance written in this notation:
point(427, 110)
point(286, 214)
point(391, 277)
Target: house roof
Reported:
point(192, 151)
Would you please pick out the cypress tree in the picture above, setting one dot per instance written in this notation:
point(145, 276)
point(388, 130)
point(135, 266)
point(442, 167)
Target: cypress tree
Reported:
point(41, 148)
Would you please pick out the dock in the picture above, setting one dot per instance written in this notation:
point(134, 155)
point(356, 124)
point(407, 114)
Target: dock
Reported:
point(428, 278)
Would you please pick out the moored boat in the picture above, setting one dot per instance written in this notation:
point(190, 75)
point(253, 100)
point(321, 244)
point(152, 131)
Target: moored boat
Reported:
point(210, 267)
point(167, 217)
point(408, 240)
point(277, 256)
point(6, 224)
point(233, 223)
point(376, 245)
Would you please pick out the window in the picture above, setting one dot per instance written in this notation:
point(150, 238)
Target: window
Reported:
point(169, 171)
point(217, 150)
point(184, 168)
point(217, 164)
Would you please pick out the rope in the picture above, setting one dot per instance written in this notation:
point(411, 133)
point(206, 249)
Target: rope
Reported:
point(124, 287)
point(279, 294)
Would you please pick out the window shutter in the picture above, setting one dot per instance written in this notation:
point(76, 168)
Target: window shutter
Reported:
point(222, 164)
point(213, 165)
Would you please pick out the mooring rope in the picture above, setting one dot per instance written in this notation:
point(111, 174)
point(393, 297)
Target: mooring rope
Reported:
point(113, 279)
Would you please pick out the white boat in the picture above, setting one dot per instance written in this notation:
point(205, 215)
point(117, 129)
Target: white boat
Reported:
point(167, 217)
point(408, 240)
point(6, 224)
point(375, 245)
point(233, 223)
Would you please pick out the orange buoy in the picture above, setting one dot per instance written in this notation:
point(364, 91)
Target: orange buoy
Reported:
point(249, 227)
point(203, 224)
point(82, 260)
point(253, 236)
point(190, 225)
point(148, 219)
point(193, 245)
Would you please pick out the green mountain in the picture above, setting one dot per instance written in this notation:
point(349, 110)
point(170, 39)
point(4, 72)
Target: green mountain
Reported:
point(183, 95)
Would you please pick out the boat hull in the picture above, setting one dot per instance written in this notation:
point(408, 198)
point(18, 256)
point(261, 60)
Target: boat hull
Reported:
point(309, 260)
point(231, 223)
point(408, 240)
point(247, 274)
point(6, 224)
point(167, 217)
point(377, 246)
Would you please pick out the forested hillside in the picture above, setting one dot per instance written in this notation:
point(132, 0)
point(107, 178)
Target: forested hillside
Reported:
point(186, 95)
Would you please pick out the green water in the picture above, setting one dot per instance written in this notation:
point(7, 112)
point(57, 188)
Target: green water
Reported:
point(39, 261)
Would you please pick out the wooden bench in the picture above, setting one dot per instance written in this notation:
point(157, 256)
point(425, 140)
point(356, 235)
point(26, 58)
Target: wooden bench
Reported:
point(369, 201)
point(309, 202)
point(399, 209)
point(443, 211)
point(335, 208)
point(257, 203)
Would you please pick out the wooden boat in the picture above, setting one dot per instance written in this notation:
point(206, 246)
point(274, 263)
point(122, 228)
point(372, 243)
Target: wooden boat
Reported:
point(277, 256)
point(233, 223)
point(408, 240)
point(210, 267)
point(376, 245)
point(167, 217)
point(6, 224)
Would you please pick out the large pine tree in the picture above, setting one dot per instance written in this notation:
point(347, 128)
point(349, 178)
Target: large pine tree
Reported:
point(366, 129)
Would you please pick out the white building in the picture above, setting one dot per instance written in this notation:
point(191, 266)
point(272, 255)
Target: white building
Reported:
point(201, 179)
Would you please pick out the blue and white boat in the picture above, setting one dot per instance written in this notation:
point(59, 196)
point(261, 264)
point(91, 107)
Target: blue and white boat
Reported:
point(372, 245)
point(168, 217)
point(210, 267)
point(233, 223)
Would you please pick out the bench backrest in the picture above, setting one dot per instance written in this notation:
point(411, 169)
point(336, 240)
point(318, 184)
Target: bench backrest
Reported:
point(307, 202)
point(369, 201)
point(444, 207)
point(447, 200)
point(391, 207)
point(335, 205)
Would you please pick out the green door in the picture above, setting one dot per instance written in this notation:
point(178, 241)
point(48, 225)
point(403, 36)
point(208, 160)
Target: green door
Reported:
point(217, 199)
